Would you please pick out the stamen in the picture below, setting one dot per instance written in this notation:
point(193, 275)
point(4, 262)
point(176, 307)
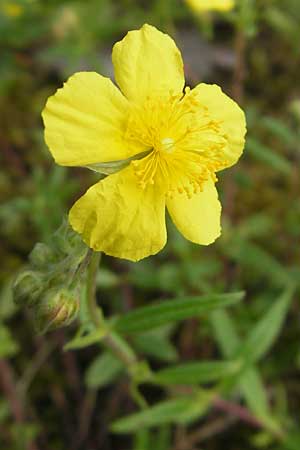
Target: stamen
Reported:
point(188, 145)
point(167, 144)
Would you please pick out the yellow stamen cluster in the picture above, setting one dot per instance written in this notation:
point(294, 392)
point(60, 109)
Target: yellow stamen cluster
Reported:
point(187, 145)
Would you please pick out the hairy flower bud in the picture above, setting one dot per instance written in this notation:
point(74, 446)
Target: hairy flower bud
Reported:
point(58, 308)
point(41, 255)
point(28, 287)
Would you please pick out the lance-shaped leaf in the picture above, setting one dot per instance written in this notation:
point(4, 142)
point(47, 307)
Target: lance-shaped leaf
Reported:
point(250, 382)
point(167, 311)
point(197, 372)
point(85, 340)
point(103, 370)
point(260, 262)
point(257, 344)
point(280, 129)
point(179, 410)
point(267, 155)
point(265, 332)
point(156, 346)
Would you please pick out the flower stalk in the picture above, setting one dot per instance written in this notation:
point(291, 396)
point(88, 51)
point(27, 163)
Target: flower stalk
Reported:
point(111, 340)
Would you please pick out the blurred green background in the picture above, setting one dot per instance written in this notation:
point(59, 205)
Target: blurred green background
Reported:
point(53, 399)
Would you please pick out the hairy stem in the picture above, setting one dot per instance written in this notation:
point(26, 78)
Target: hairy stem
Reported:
point(91, 288)
point(112, 341)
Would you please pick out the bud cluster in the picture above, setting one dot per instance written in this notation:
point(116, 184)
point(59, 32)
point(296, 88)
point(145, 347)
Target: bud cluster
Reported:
point(50, 284)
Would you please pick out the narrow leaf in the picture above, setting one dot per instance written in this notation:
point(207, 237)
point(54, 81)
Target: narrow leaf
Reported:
point(156, 346)
point(197, 372)
point(260, 262)
point(181, 410)
point(280, 130)
point(81, 341)
point(162, 413)
point(265, 332)
point(250, 382)
point(267, 155)
point(259, 341)
point(103, 370)
point(167, 311)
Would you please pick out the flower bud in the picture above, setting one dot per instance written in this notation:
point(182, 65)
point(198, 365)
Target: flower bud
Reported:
point(58, 308)
point(41, 255)
point(28, 287)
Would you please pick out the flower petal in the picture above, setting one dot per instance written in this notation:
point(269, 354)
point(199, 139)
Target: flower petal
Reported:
point(207, 5)
point(223, 109)
point(118, 217)
point(85, 122)
point(198, 217)
point(147, 61)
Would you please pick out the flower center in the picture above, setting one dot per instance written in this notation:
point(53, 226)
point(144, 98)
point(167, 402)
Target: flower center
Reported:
point(187, 145)
point(167, 145)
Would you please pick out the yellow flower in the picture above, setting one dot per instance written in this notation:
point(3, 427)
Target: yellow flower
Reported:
point(166, 143)
point(208, 5)
point(11, 9)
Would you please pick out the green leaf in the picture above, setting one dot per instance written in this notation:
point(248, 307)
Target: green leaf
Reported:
point(81, 341)
point(154, 345)
point(167, 311)
point(267, 155)
point(162, 413)
point(224, 331)
point(256, 397)
point(179, 410)
point(250, 382)
point(256, 345)
point(260, 262)
point(280, 130)
point(103, 370)
point(266, 331)
point(254, 226)
point(197, 372)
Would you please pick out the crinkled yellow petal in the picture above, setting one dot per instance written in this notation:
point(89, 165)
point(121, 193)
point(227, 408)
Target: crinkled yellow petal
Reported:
point(121, 219)
point(147, 61)
point(229, 115)
point(85, 122)
point(207, 5)
point(198, 217)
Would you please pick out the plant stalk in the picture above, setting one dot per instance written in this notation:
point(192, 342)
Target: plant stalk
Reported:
point(111, 340)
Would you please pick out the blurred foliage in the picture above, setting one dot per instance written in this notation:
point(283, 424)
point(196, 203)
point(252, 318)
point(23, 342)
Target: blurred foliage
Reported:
point(212, 378)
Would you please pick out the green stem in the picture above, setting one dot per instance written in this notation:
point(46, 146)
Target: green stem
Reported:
point(91, 289)
point(121, 349)
point(115, 343)
point(138, 397)
point(111, 340)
